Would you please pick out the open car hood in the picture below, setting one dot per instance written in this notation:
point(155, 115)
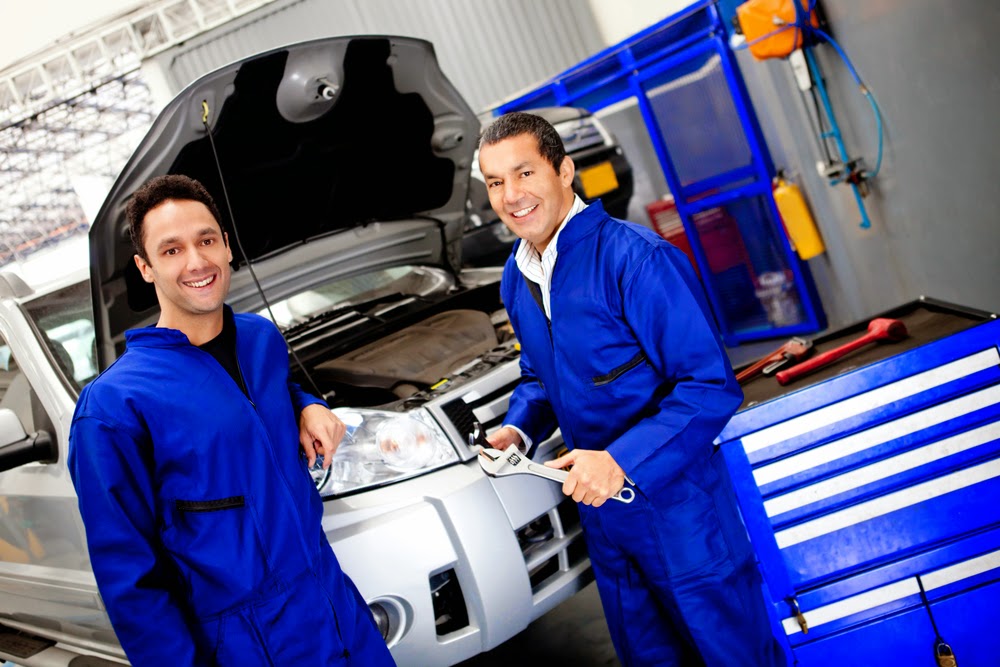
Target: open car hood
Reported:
point(312, 139)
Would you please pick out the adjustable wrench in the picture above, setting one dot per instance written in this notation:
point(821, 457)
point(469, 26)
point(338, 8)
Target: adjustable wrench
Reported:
point(791, 352)
point(497, 463)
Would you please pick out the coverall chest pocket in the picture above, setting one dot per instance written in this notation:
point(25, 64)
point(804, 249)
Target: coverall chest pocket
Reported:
point(629, 385)
point(216, 545)
point(620, 370)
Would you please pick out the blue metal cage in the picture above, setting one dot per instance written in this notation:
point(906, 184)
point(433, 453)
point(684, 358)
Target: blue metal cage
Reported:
point(697, 111)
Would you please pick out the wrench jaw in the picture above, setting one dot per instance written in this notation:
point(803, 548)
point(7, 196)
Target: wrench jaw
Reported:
point(478, 437)
point(497, 463)
point(491, 460)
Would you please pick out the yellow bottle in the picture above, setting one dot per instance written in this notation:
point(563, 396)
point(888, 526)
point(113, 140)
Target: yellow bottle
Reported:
point(799, 224)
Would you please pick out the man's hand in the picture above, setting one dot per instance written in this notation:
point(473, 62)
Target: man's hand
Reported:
point(504, 438)
point(320, 432)
point(595, 476)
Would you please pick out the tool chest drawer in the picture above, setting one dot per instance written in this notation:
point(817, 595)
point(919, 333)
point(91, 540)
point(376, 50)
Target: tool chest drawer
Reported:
point(871, 492)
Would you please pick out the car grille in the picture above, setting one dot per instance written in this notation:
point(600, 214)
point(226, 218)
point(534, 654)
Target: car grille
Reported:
point(552, 545)
point(484, 400)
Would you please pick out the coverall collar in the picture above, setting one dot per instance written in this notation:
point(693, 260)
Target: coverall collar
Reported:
point(584, 224)
point(154, 336)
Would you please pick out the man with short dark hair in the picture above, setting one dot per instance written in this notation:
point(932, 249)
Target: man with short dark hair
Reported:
point(618, 349)
point(203, 524)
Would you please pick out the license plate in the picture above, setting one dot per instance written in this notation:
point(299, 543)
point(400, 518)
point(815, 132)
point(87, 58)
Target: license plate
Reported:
point(598, 180)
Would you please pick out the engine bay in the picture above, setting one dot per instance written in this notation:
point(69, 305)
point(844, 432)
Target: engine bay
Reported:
point(398, 362)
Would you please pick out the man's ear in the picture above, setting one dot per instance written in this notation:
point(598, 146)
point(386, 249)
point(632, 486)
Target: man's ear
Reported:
point(567, 170)
point(229, 248)
point(144, 268)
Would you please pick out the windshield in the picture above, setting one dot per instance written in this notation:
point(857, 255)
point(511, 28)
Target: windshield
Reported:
point(66, 323)
point(381, 285)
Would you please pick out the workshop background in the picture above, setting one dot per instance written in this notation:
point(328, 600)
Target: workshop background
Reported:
point(931, 66)
point(73, 106)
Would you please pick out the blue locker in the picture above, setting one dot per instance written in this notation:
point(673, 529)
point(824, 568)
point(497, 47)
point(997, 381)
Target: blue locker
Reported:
point(868, 480)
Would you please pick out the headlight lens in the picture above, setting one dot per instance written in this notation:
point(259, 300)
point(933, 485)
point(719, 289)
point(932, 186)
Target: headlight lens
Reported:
point(381, 447)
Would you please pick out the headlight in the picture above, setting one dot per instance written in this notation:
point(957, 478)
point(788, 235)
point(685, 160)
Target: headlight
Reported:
point(381, 447)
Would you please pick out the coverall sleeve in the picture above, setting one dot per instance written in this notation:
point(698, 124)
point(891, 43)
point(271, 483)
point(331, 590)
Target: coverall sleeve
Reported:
point(302, 398)
point(529, 408)
point(115, 489)
point(664, 304)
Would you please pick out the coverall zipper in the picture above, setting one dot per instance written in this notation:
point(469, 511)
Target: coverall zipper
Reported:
point(274, 459)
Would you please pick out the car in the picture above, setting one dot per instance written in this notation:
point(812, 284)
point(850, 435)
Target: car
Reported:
point(342, 168)
point(602, 172)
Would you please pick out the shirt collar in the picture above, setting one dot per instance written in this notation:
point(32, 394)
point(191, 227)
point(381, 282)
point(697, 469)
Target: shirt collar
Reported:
point(526, 250)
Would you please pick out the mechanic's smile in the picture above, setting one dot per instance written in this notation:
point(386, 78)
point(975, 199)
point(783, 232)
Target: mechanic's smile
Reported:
point(524, 211)
point(204, 282)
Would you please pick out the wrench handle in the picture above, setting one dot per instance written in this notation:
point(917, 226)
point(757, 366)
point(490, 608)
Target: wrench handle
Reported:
point(626, 495)
point(555, 474)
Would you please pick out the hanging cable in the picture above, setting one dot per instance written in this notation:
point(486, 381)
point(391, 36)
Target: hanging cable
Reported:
point(876, 111)
point(239, 244)
point(802, 22)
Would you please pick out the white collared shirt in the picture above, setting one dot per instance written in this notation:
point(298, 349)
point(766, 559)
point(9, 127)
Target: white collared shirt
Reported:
point(538, 269)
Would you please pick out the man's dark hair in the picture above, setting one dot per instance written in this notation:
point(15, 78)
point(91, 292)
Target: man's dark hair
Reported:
point(154, 192)
point(516, 123)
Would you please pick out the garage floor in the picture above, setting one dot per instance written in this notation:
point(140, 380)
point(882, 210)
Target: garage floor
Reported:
point(574, 633)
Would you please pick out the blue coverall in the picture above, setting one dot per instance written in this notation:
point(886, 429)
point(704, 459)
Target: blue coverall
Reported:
point(203, 523)
point(631, 363)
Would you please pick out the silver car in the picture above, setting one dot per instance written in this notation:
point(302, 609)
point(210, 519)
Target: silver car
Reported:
point(341, 167)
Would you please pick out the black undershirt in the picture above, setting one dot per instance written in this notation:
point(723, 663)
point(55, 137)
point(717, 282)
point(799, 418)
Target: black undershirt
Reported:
point(223, 348)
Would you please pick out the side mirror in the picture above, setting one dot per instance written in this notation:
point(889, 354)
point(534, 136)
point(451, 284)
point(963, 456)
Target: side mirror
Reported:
point(18, 448)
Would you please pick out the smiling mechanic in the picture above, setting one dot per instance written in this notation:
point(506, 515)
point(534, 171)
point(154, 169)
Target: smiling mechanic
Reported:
point(202, 520)
point(618, 349)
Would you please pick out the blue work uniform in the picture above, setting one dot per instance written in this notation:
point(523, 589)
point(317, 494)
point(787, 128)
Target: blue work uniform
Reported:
point(203, 523)
point(631, 363)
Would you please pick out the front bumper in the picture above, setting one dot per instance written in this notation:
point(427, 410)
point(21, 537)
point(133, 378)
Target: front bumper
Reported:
point(507, 550)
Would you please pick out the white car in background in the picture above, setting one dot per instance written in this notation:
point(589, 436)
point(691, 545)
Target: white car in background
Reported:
point(346, 164)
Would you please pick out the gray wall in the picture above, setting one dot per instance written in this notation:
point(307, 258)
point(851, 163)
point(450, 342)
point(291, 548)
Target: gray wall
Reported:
point(935, 70)
point(488, 49)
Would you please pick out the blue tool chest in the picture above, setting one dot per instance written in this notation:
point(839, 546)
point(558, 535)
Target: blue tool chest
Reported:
point(875, 477)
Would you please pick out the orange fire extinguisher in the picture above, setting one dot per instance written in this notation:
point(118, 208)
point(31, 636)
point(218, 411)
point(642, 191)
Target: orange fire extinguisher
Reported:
point(799, 223)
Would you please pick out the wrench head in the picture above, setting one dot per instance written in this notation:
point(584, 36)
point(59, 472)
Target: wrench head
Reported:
point(497, 463)
point(478, 436)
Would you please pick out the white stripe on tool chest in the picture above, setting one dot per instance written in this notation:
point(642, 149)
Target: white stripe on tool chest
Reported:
point(859, 442)
point(854, 479)
point(890, 502)
point(875, 398)
point(894, 591)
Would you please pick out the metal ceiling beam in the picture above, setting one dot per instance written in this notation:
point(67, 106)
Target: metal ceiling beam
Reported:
point(69, 68)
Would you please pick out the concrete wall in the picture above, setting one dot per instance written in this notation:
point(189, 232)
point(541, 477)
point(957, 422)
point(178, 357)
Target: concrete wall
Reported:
point(934, 207)
point(487, 49)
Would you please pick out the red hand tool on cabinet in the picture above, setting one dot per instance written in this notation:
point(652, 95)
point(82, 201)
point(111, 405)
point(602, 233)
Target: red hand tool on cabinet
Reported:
point(879, 329)
point(792, 351)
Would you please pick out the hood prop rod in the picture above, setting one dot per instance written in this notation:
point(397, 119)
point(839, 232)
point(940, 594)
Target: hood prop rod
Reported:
point(253, 274)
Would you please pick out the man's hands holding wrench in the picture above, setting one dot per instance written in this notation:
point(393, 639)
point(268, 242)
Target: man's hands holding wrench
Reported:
point(595, 476)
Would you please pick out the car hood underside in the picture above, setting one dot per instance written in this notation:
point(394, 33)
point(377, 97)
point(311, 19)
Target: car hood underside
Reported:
point(306, 141)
